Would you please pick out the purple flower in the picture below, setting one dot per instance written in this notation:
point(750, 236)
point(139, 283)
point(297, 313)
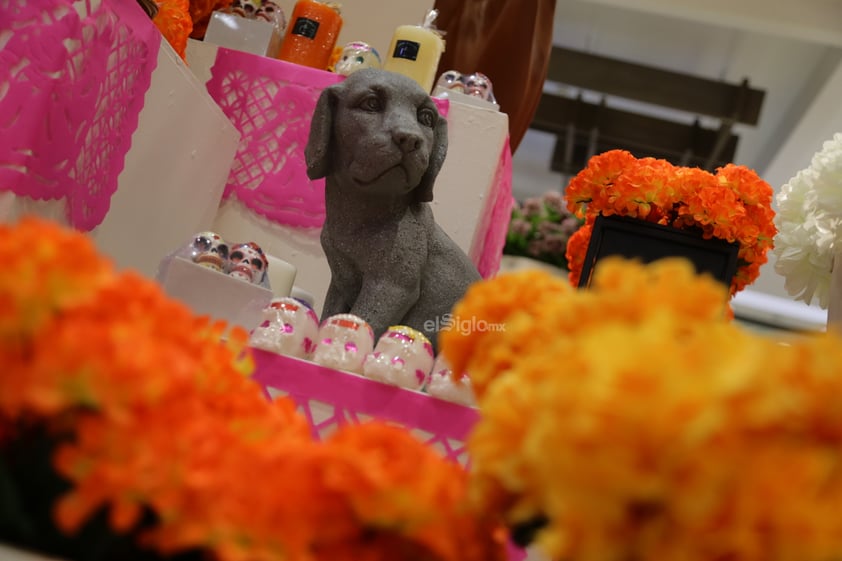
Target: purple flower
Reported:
point(549, 228)
point(532, 207)
point(555, 202)
point(569, 225)
point(555, 244)
point(520, 227)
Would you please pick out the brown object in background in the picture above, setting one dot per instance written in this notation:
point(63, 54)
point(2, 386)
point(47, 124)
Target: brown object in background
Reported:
point(507, 41)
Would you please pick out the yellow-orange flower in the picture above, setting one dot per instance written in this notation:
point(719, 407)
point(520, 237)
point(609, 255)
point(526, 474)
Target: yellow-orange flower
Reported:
point(652, 428)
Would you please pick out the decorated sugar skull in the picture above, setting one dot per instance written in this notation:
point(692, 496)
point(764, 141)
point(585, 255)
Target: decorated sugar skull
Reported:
point(403, 357)
point(289, 328)
point(245, 8)
point(272, 12)
point(209, 250)
point(443, 386)
point(248, 262)
point(479, 85)
point(356, 56)
point(344, 341)
point(452, 80)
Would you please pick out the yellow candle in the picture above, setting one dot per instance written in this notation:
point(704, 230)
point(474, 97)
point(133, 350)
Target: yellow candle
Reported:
point(415, 52)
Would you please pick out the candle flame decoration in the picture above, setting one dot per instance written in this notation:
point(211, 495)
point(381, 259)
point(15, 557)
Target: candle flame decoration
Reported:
point(430, 23)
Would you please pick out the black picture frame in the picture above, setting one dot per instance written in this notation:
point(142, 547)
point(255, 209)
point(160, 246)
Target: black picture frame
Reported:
point(648, 242)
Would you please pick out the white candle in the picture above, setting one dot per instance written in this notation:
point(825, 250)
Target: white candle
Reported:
point(281, 276)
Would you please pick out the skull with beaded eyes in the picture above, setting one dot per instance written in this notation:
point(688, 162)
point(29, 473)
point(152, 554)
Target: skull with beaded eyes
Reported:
point(245, 8)
point(451, 80)
point(248, 262)
point(271, 12)
point(479, 85)
point(209, 250)
point(356, 56)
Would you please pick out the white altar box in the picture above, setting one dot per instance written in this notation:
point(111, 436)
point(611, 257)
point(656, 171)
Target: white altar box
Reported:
point(170, 181)
point(466, 193)
point(175, 172)
point(256, 36)
point(211, 293)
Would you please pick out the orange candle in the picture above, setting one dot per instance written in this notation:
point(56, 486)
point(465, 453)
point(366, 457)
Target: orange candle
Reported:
point(311, 34)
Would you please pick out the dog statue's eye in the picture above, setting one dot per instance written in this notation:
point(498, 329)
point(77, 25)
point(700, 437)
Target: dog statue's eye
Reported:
point(371, 103)
point(426, 117)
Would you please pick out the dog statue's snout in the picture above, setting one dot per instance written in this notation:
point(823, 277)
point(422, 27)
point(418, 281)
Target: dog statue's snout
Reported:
point(407, 141)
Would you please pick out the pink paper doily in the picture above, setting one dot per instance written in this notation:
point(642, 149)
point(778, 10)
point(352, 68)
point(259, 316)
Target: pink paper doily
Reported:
point(349, 398)
point(271, 103)
point(73, 75)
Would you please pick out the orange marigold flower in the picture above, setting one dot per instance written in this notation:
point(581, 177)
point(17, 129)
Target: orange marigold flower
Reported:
point(153, 411)
point(500, 303)
point(733, 205)
point(200, 14)
point(57, 269)
point(174, 21)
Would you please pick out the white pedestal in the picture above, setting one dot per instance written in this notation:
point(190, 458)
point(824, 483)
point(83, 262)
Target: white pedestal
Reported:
point(258, 37)
point(175, 172)
point(215, 294)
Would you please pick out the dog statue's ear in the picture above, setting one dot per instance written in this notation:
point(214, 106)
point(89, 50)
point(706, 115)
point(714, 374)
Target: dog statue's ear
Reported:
point(318, 149)
point(424, 191)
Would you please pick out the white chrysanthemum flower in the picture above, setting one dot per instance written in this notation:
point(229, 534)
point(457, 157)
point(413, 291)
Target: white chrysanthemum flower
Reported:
point(809, 221)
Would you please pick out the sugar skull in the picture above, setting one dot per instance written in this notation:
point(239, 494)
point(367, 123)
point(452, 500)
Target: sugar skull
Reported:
point(289, 328)
point(245, 8)
point(451, 80)
point(344, 341)
point(209, 250)
point(356, 56)
point(270, 11)
point(479, 85)
point(248, 262)
point(403, 357)
point(443, 386)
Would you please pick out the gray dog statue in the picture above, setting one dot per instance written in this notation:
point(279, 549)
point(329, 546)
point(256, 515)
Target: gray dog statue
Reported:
point(378, 140)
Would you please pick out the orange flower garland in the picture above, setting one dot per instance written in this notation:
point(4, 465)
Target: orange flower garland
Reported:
point(200, 13)
point(151, 411)
point(641, 425)
point(174, 22)
point(734, 205)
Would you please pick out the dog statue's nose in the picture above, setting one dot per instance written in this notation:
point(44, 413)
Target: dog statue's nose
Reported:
point(407, 141)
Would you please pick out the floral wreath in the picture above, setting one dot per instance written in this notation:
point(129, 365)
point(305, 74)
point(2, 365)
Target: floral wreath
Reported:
point(734, 204)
